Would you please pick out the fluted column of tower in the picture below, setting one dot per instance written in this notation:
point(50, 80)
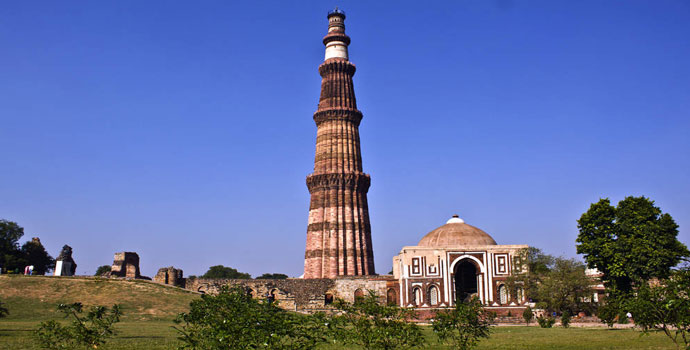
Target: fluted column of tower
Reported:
point(339, 233)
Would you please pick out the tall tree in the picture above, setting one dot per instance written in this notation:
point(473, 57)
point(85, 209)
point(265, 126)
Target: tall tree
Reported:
point(35, 254)
point(10, 255)
point(629, 243)
point(220, 271)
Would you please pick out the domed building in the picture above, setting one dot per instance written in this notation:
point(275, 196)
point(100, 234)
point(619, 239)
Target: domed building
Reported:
point(453, 263)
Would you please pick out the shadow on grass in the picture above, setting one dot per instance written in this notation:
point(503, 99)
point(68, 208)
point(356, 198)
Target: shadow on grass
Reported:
point(143, 337)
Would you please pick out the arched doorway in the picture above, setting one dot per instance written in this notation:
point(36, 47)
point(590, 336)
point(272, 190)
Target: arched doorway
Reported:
point(391, 297)
point(465, 280)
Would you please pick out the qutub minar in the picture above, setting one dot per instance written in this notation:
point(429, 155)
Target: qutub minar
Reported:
point(339, 233)
point(449, 265)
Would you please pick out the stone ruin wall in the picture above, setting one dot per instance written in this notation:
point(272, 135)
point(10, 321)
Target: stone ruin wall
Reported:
point(125, 264)
point(302, 295)
point(171, 276)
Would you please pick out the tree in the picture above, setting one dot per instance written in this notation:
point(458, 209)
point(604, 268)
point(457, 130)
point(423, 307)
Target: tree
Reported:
point(103, 269)
point(553, 283)
point(664, 306)
point(629, 243)
point(272, 276)
point(86, 332)
point(528, 315)
point(10, 255)
point(220, 271)
point(463, 326)
point(232, 319)
point(35, 254)
point(371, 324)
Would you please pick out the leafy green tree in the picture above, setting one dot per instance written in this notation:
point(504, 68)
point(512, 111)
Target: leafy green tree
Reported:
point(35, 254)
point(103, 269)
point(528, 315)
point(608, 312)
point(629, 243)
point(220, 271)
point(10, 254)
point(85, 332)
point(232, 319)
point(463, 326)
point(371, 324)
point(664, 306)
point(272, 276)
point(553, 283)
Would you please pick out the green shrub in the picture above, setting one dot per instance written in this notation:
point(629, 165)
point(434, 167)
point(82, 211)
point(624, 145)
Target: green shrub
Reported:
point(87, 332)
point(463, 326)
point(546, 321)
point(565, 319)
point(527, 315)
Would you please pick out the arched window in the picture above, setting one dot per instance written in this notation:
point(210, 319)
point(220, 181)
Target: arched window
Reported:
point(391, 297)
point(417, 296)
point(520, 295)
point(433, 295)
point(359, 295)
point(503, 293)
point(328, 299)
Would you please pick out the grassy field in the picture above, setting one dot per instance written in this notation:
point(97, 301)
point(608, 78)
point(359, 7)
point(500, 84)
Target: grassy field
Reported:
point(150, 308)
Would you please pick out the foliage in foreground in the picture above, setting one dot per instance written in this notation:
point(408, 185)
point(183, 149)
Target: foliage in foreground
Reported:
point(87, 332)
point(370, 324)
point(546, 321)
point(665, 307)
point(232, 319)
point(463, 326)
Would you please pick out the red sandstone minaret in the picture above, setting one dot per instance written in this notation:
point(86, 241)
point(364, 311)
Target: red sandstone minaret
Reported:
point(339, 233)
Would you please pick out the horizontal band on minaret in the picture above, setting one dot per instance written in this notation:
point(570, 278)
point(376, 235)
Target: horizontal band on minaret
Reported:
point(320, 226)
point(337, 65)
point(317, 253)
point(336, 36)
point(338, 113)
point(357, 182)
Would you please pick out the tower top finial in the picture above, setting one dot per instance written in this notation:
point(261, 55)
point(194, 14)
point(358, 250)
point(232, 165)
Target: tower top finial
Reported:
point(336, 12)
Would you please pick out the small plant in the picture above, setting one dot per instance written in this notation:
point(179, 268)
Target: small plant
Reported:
point(510, 314)
point(463, 326)
point(87, 332)
point(546, 321)
point(527, 315)
point(565, 319)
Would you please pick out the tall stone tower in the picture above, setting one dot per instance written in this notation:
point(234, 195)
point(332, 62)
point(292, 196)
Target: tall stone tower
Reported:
point(339, 233)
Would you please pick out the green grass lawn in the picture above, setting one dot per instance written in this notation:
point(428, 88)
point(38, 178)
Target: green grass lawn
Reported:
point(149, 310)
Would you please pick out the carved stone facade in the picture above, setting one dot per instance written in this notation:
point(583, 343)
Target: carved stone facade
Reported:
point(126, 264)
point(455, 262)
point(171, 276)
point(338, 232)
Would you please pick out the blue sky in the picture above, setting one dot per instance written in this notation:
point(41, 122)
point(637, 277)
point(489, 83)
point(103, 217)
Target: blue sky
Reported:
point(183, 130)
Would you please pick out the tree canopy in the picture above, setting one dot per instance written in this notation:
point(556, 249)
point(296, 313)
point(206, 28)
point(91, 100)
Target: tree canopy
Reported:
point(631, 242)
point(10, 254)
point(220, 271)
point(35, 254)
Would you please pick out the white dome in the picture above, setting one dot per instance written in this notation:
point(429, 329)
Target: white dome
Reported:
point(455, 220)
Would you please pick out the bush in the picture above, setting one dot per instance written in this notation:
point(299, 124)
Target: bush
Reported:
point(3, 310)
point(220, 271)
point(565, 319)
point(546, 321)
point(102, 269)
point(373, 325)
point(607, 313)
point(234, 320)
point(88, 332)
point(463, 326)
point(527, 315)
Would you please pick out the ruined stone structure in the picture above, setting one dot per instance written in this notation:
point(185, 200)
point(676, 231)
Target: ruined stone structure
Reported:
point(126, 264)
point(170, 275)
point(64, 264)
point(455, 262)
point(338, 232)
